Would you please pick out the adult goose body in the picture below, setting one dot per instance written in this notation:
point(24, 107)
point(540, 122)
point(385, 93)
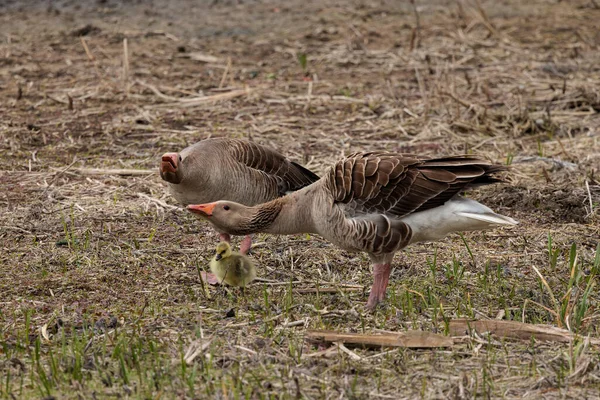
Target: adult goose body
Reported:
point(377, 202)
point(231, 169)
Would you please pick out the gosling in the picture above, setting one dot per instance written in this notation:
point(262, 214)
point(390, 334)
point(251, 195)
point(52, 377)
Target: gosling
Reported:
point(232, 268)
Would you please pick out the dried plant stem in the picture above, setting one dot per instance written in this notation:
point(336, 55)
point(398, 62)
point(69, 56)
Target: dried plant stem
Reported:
point(415, 41)
point(225, 72)
point(486, 20)
point(90, 57)
point(126, 83)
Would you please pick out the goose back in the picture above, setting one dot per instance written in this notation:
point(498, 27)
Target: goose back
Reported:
point(236, 170)
point(400, 184)
point(371, 192)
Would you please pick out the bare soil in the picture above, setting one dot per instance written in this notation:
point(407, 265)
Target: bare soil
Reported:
point(103, 268)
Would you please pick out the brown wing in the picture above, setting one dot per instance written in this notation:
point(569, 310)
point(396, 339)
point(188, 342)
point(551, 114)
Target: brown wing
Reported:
point(290, 176)
point(397, 184)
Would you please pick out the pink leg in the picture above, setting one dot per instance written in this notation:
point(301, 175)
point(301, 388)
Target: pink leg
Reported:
point(210, 278)
point(246, 245)
point(381, 277)
point(225, 237)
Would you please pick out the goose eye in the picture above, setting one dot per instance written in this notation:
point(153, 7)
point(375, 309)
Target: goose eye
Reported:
point(179, 158)
point(226, 208)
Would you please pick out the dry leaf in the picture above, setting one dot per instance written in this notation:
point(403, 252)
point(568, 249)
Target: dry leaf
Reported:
point(44, 332)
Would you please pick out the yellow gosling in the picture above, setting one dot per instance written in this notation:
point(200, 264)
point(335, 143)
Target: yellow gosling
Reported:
point(232, 268)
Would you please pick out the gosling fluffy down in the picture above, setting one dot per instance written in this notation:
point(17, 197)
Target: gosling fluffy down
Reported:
point(231, 267)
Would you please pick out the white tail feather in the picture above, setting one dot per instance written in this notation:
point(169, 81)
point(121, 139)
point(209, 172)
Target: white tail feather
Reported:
point(492, 218)
point(457, 215)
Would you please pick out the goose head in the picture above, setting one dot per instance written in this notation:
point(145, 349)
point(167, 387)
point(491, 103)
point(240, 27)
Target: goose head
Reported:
point(226, 216)
point(171, 167)
point(189, 168)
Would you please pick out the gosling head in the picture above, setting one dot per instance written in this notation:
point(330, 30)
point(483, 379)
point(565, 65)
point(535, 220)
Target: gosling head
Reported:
point(223, 251)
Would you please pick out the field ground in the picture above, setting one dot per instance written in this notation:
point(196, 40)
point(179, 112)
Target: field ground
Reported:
point(99, 288)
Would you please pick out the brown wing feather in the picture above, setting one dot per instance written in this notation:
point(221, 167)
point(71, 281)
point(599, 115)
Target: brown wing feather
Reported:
point(290, 175)
point(396, 184)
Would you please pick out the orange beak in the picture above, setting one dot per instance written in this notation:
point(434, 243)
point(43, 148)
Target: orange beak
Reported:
point(202, 209)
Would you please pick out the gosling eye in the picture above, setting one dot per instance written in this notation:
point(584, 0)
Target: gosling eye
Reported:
point(226, 207)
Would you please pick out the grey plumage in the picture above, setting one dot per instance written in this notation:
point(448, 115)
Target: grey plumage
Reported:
point(377, 202)
point(231, 169)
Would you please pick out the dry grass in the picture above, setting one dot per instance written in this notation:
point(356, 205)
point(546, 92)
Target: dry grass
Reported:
point(99, 272)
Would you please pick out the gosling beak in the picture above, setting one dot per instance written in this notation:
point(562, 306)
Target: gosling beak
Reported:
point(218, 257)
point(202, 209)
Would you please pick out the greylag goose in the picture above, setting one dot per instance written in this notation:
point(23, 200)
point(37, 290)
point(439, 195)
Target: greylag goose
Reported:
point(376, 202)
point(232, 268)
point(231, 169)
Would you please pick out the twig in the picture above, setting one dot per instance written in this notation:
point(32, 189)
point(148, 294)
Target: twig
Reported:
point(60, 174)
point(157, 92)
point(202, 57)
point(329, 289)
point(203, 282)
point(587, 187)
point(87, 49)
point(195, 349)
point(514, 330)
point(422, 88)
point(294, 323)
point(458, 100)
point(410, 339)
point(558, 163)
point(262, 321)
point(57, 100)
point(157, 201)
point(126, 66)
point(323, 98)
point(274, 283)
point(123, 172)
point(346, 350)
point(325, 353)
point(415, 39)
point(539, 305)
point(361, 38)
point(90, 56)
point(486, 20)
point(564, 150)
point(196, 101)
point(309, 91)
point(247, 350)
point(549, 292)
point(461, 13)
point(16, 228)
point(227, 68)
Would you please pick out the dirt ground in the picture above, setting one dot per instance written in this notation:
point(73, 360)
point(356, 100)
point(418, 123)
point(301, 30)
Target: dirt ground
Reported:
point(99, 289)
